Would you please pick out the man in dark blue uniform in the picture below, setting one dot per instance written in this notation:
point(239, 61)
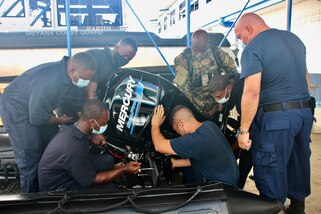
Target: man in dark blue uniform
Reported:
point(227, 91)
point(28, 103)
point(276, 104)
point(203, 146)
point(108, 62)
point(66, 163)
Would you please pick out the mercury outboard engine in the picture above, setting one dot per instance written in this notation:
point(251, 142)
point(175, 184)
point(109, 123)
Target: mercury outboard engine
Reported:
point(132, 96)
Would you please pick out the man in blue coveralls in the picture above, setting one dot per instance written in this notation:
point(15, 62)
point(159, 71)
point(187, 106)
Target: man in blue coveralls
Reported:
point(28, 102)
point(276, 102)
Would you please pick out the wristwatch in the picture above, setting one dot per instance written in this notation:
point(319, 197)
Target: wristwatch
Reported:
point(241, 131)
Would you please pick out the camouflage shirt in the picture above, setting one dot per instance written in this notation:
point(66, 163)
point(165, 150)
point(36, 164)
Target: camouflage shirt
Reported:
point(193, 75)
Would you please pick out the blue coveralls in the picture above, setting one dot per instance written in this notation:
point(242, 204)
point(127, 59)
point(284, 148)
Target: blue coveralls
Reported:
point(26, 105)
point(280, 135)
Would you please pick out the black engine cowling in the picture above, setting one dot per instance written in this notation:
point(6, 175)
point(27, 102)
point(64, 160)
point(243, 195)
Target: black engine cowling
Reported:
point(132, 96)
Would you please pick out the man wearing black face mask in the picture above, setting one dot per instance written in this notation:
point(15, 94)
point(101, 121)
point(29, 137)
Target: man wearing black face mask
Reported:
point(108, 61)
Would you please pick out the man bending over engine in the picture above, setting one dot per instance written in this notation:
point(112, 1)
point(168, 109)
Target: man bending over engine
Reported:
point(66, 163)
point(203, 146)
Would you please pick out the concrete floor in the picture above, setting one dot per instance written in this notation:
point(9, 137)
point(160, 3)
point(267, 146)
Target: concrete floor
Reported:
point(313, 202)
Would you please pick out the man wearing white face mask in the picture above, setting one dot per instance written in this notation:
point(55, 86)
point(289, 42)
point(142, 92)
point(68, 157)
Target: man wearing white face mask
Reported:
point(227, 90)
point(66, 163)
point(27, 106)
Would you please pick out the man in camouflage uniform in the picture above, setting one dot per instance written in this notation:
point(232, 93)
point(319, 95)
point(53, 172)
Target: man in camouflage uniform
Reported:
point(194, 68)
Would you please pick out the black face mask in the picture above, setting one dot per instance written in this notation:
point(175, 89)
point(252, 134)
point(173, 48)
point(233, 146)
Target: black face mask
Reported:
point(119, 60)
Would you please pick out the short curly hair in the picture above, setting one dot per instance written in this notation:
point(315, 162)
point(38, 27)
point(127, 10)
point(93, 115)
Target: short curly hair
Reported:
point(93, 109)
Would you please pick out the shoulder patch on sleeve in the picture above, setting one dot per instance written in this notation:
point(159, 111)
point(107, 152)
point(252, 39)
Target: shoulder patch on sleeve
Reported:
point(181, 75)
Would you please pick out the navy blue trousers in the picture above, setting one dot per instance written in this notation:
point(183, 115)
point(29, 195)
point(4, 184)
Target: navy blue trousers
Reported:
point(281, 153)
point(25, 140)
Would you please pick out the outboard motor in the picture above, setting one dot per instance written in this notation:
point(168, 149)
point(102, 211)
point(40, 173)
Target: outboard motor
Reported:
point(132, 96)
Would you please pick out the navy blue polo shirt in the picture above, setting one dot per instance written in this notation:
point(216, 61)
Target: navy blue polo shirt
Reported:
point(39, 90)
point(210, 154)
point(105, 68)
point(280, 56)
point(65, 163)
point(236, 93)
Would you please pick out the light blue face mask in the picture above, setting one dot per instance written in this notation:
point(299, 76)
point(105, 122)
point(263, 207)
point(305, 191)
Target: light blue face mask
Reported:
point(81, 82)
point(102, 129)
point(224, 99)
point(242, 44)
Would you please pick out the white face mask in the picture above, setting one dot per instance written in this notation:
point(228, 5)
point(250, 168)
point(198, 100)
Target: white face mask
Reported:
point(81, 82)
point(102, 129)
point(224, 99)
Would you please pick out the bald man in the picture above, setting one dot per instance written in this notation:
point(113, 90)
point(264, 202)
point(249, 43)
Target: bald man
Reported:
point(276, 103)
point(202, 145)
point(194, 68)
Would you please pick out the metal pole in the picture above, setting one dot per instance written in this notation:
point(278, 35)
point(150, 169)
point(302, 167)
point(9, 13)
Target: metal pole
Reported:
point(234, 23)
point(289, 15)
point(67, 5)
point(151, 38)
point(188, 33)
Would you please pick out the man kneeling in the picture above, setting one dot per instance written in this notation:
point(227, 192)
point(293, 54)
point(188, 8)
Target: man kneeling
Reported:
point(66, 163)
point(202, 144)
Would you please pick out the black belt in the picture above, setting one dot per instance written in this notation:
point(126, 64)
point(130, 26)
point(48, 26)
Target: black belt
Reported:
point(286, 105)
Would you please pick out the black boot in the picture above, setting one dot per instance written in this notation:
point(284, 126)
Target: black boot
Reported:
point(295, 207)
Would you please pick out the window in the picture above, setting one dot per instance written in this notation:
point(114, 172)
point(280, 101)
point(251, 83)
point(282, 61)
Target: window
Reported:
point(182, 10)
point(40, 15)
point(182, 5)
point(208, 1)
point(165, 22)
point(194, 6)
point(172, 18)
point(91, 13)
point(159, 27)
